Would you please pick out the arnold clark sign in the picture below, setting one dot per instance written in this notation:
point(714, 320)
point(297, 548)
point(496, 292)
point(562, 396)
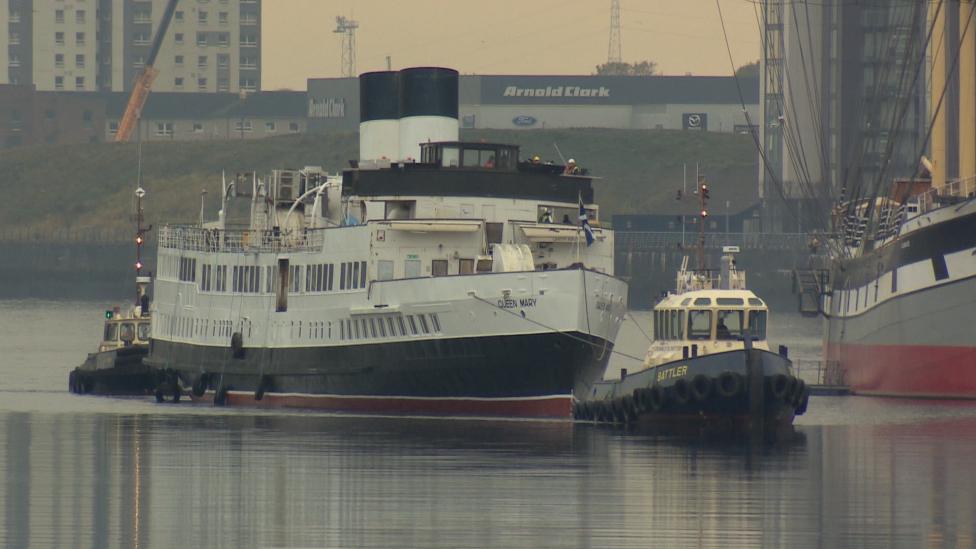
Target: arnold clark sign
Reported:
point(555, 90)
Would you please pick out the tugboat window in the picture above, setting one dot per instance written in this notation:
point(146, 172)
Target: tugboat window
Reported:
point(703, 301)
point(757, 324)
point(111, 332)
point(128, 332)
point(438, 267)
point(699, 324)
point(143, 331)
point(729, 325)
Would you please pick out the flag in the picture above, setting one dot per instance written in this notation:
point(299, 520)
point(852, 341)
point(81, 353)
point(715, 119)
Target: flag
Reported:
point(584, 223)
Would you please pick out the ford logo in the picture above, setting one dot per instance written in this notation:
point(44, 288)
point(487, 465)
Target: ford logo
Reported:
point(524, 120)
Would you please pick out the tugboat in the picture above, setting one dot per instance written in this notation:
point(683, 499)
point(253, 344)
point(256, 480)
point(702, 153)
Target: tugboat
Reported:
point(117, 368)
point(709, 362)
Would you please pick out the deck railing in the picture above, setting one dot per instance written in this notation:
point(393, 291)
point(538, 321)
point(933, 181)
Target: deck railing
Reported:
point(674, 240)
point(197, 239)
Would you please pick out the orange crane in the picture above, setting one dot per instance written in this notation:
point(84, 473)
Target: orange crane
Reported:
point(144, 82)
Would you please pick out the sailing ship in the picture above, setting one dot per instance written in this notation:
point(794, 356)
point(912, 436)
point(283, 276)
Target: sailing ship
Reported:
point(433, 277)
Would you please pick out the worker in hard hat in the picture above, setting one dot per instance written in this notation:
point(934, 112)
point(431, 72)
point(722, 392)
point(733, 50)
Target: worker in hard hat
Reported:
point(572, 168)
point(536, 160)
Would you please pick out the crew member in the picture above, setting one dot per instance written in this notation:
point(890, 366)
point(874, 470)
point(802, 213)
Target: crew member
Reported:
point(546, 216)
point(536, 160)
point(571, 167)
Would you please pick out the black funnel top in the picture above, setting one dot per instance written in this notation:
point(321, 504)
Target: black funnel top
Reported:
point(379, 96)
point(429, 91)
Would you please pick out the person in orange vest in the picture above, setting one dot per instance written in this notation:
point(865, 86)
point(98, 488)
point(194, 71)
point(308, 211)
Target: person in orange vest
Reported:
point(571, 168)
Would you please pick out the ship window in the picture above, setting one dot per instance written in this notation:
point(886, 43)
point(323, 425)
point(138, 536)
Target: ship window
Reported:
point(484, 265)
point(355, 275)
point(128, 331)
point(755, 301)
point(729, 325)
point(403, 327)
point(413, 325)
point(342, 330)
point(423, 324)
point(493, 232)
point(362, 274)
point(384, 269)
point(894, 280)
point(331, 272)
point(111, 332)
point(381, 326)
point(438, 267)
point(676, 324)
point(372, 327)
point(355, 329)
point(342, 275)
point(757, 324)
point(389, 323)
point(703, 301)
point(308, 278)
point(729, 301)
point(362, 321)
point(465, 266)
point(296, 271)
point(143, 333)
point(699, 324)
point(436, 322)
point(411, 268)
point(685, 301)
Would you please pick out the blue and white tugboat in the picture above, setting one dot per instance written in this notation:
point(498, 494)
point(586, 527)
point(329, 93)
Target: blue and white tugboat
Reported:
point(709, 361)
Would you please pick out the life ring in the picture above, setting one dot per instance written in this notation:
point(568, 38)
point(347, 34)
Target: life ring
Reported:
point(778, 385)
point(701, 387)
point(200, 385)
point(729, 384)
point(264, 384)
point(656, 398)
point(681, 391)
point(237, 345)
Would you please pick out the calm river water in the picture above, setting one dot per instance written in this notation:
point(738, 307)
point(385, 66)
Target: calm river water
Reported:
point(99, 472)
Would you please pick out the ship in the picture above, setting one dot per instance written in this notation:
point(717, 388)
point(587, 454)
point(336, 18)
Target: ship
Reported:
point(709, 363)
point(117, 367)
point(432, 277)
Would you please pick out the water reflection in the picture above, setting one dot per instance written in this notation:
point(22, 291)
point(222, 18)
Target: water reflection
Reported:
point(102, 480)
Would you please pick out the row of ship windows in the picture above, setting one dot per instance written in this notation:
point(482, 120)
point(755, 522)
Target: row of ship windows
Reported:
point(320, 277)
point(350, 329)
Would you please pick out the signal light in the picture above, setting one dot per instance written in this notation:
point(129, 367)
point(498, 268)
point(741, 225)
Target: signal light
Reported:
point(704, 191)
point(138, 265)
point(704, 213)
point(108, 315)
point(139, 240)
point(678, 197)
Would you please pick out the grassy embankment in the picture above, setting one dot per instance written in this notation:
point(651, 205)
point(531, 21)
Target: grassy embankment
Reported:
point(91, 186)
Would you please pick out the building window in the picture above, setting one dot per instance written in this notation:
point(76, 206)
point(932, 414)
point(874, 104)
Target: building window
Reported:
point(248, 84)
point(113, 127)
point(243, 126)
point(202, 83)
point(270, 127)
point(197, 127)
point(223, 38)
point(178, 82)
point(202, 61)
point(79, 82)
point(50, 114)
point(86, 118)
point(80, 16)
point(59, 60)
point(140, 39)
point(223, 60)
point(178, 60)
point(249, 40)
point(58, 38)
point(79, 39)
point(223, 85)
point(143, 17)
point(178, 38)
point(222, 17)
point(14, 15)
point(164, 129)
point(202, 17)
point(80, 60)
point(248, 62)
point(59, 16)
point(249, 19)
point(201, 39)
point(139, 62)
point(14, 60)
point(178, 15)
point(293, 127)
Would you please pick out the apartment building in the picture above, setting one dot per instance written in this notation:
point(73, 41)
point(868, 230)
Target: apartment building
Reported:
point(102, 45)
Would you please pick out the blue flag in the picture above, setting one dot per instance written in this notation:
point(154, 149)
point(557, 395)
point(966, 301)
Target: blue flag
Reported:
point(584, 223)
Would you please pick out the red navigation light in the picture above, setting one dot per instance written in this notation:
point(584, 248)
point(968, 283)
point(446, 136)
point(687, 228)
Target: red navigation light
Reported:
point(704, 213)
point(139, 239)
point(704, 191)
point(138, 265)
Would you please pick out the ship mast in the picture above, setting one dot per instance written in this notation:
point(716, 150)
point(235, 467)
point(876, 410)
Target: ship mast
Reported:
point(702, 192)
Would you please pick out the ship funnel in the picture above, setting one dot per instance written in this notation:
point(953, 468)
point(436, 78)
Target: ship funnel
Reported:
point(428, 108)
point(379, 115)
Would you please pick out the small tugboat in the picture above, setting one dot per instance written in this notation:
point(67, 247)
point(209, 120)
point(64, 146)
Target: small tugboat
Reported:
point(117, 368)
point(709, 362)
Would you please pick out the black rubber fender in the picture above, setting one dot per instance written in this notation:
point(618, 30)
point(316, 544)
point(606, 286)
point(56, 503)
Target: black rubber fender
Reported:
point(237, 345)
point(220, 398)
point(777, 386)
point(804, 401)
point(265, 384)
point(701, 387)
point(681, 391)
point(200, 385)
point(797, 396)
point(73, 381)
point(630, 408)
point(657, 398)
point(729, 384)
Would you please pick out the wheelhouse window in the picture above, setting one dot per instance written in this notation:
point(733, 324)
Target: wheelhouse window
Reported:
point(699, 324)
point(143, 331)
point(757, 324)
point(111, 331)
point(729, 324)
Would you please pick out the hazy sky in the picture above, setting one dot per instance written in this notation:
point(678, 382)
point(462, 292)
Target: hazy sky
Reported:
point(503, 36)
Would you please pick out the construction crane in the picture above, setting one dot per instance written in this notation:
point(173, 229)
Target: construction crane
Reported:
point(144, 82)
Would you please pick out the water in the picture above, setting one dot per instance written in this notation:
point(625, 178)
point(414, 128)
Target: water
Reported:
point(98, 472)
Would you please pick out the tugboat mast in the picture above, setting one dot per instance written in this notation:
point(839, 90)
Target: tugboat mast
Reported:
point(703, 209)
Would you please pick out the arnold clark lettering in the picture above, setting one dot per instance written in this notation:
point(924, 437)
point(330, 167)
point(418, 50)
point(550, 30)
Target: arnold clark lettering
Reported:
point(556, 91)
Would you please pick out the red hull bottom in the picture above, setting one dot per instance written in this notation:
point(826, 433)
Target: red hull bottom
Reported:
point(907, 370)
point(557, 406)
